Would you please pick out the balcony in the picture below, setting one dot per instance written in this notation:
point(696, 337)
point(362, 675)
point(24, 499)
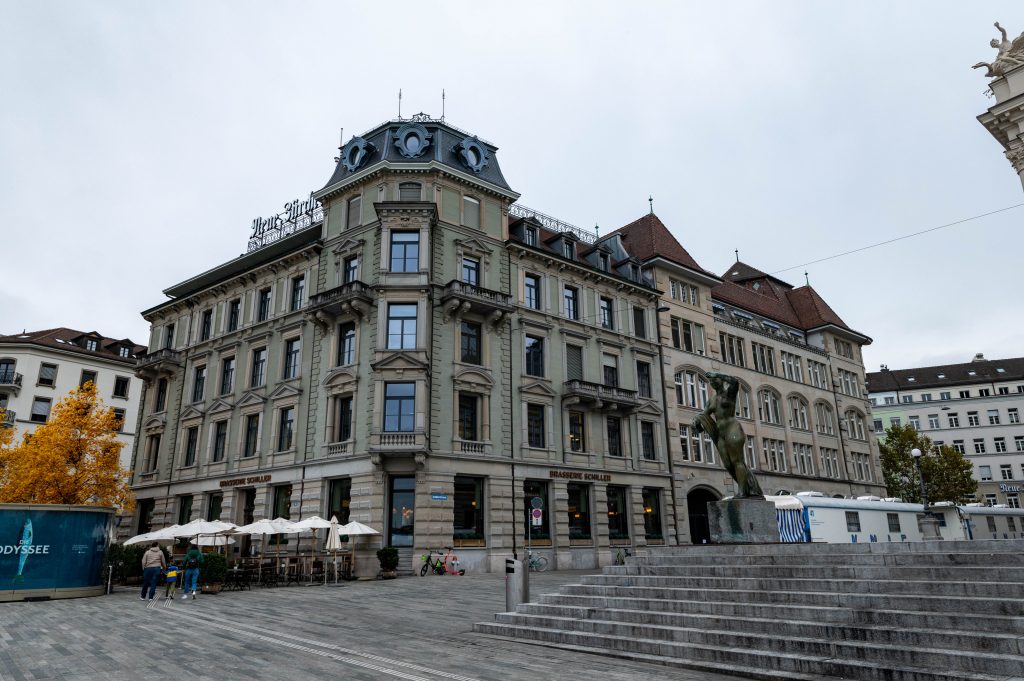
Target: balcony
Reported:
point(158, 362)
point(9, 418)
point(600, 396)
point(352, 297)
point(399, 444)
point(458, 298)
point(11, 380)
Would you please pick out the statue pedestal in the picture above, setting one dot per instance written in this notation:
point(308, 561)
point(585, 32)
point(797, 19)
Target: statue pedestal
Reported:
point(743, 521)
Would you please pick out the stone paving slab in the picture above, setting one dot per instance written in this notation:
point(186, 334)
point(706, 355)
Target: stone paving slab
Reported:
point(415, 628)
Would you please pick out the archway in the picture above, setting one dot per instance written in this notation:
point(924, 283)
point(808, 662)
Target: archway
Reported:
point(697, 510)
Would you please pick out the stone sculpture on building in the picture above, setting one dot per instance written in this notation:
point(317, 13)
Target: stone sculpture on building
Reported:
point(1010, 56)
point(727, 433)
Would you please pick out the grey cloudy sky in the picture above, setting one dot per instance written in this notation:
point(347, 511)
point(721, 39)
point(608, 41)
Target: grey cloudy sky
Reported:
point(138, 140)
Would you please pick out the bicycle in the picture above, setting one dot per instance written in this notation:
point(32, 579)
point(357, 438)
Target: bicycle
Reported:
point(446, 563)
point(536, 562)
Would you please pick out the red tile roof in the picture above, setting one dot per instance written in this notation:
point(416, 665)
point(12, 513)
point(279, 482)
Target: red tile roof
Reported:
point(64, 338)
point(648, 237)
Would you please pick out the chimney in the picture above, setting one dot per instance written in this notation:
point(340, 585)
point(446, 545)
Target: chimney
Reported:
point(979, 358)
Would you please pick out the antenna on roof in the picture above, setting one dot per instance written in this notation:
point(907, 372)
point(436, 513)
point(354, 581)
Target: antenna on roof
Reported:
point(597, 230)
point(442, 104)
point(650, 200)
point(341, 144)
point(399, 103)
point(737, 251)
point(807, 279)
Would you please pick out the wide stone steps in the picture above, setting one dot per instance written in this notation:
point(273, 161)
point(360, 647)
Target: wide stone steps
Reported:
point(879, 586)
point(1003, 643)
point(823, 549)
point(903, 572)
point(836, 559)
point(748, 662)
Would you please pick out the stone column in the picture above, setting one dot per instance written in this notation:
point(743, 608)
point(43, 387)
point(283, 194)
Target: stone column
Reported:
point(637, 531)
point(558, 515)
point(600, 526)
point(501, 522)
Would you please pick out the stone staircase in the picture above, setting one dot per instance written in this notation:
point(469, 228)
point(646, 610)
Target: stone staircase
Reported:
point(936, 611)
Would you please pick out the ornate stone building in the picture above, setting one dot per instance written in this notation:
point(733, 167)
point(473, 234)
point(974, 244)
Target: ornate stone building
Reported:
point(412, 349)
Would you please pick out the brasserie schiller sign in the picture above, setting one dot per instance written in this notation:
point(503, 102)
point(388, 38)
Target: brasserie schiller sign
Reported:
point(251, 480)
point(580, 475)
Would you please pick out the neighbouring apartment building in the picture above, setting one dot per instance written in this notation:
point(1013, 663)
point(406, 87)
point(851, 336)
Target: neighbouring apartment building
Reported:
point(413, 349)
point(39, 368)
point(974, 407)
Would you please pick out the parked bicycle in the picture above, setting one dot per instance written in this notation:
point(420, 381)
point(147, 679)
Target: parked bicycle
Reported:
point(536, 562)
point(444, 564)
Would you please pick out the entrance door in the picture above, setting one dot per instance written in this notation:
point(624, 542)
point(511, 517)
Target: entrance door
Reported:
point(697, 510)
point(248, 499)
point(403, 510)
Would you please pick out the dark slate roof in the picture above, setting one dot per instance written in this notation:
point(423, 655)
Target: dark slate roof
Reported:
point(442, 149)
point(648, 237)
point(70, 340)
point(985, 371)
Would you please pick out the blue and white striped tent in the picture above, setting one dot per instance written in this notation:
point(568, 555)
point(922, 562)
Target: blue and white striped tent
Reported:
point(790, 515)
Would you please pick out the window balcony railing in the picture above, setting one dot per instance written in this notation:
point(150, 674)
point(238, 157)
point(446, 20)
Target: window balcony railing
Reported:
point(339, 448)
point(398, 442)
point(459, 297)
point(473, 446)
point(352, 296)
point(10, 379)
point(158, 361)
point(600, 396)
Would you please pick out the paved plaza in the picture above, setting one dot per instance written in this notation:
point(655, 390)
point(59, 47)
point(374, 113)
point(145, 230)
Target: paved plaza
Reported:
point(412, 628)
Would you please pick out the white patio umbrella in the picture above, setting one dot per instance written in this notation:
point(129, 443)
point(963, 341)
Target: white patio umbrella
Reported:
point(264, 527)
point(333, 545)
point(215, 540)
point(312, 523)
point(355, 529)
point(165, 534)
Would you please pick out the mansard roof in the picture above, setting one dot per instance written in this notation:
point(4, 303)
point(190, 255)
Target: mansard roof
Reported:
point(70, 340)
point(980, 370)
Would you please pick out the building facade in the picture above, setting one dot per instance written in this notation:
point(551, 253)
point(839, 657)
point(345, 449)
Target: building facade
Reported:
point(39, 368)
point(974, 407)
point(413, 349)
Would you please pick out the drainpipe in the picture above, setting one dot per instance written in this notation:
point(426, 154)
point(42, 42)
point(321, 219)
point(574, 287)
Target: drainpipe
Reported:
point(512, 412)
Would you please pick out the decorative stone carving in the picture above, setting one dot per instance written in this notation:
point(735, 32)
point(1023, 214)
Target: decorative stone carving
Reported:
point(1016, 158)
point(412, 140)
point(1010, 55)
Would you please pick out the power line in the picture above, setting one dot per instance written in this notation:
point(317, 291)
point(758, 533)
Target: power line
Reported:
point(900, 238)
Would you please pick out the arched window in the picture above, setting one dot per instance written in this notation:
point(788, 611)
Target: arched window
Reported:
point(824, 419)
point(855, 425)
point(798, 417)
point(768, 407)
point(409, 191)
point(691, 389)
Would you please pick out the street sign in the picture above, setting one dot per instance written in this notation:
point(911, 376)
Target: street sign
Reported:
point(439, 497)
point(537, 517)
point(537, 502)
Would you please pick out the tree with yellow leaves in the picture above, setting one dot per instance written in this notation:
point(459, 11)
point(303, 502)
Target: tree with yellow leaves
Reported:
point(73, 458)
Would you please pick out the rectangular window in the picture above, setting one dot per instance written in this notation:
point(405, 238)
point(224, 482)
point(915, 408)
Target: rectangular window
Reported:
point(259, 368)
point(169, 337)
point(731, 348)
point(354, 208)
point(933, 421)
point(252, 432)
point(852, 521)
point(118, 420)
point(346, 343)
point(405, 251)
point(774, 454)
point(471, 271)
point(344, 432)
point(954, 420)
point(574, 362)
point(1013, 415)
point(184, 509)
point(234, 314)
point(220, 441)
point(470, 339)
point(647, 441)
point(972, 419)
point(468, 521)
point(652, 514)
point(214, 505)
point(958, 446)
point(292, 357)
point(468, 417)
point(985, 473)
point(610, 365)
point(915, 422)
point(47, 375)
point(191, 446)
point(804, 459)
point(283, 502)
point(534, 356)
point(40, 410)
point(263, 307)
point(791, 367)
point(693, 340)
point(894, 522)
point(993, 417)
point(198, 383)
point(399, 407)
point(206, 325)
point(286, 429)
point(618, 518)
point(579, 512)
point(121, 384)
point(603, 261)
point(160, 401)
point(1000, 443)
point(298, 293)
point(965, 394)
point(764, 358)
point(409, 191)
point(339, 499)
point(944, 396)
point(606, 313)
point(227, 375)
point(676, 334)
point(568, 249)
point(643, 379)
point(470, 212)
point(350, 271)
point(1018, 441)
point(530, 236)
point(536, 532)
point(684, 442)
point(401, 326)
point(640, 322)
point(87, 377)
point(571, 296)
point(1006, 472)
point(531, 291)
point(979, 446)
point(577, 431)
point(907, 399)
point(535, 425)
point(613, 425)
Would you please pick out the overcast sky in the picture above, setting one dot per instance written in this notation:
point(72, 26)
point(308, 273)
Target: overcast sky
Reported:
point(138, 140)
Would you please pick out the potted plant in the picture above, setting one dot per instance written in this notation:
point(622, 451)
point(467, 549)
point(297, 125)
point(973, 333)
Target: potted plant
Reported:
point(212, 572)
point(388, 557)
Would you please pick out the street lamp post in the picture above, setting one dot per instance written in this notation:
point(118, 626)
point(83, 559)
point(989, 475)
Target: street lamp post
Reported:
point(929, 525)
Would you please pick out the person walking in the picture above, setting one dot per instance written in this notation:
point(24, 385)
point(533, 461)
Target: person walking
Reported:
point(152, 565)
point(171, 577)
point(192, 561)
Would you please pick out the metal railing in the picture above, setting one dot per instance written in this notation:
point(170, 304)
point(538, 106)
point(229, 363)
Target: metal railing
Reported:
point(484, 295)
point(10, 378)
point(518, 210)
point(349, 289)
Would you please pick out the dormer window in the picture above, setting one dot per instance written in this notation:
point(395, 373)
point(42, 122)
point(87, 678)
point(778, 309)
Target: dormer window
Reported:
point(91, 344)
point(603, 258)
point(123, 351)
point(634, 271)
point(531, 236)
point(569, 249)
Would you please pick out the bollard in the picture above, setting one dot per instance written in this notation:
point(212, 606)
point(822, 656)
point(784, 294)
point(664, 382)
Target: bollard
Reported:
point(517, 584)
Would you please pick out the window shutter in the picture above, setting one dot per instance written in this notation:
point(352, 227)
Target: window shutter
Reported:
point(574, 362)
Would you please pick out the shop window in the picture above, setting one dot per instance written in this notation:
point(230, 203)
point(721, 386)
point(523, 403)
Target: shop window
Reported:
point(468, 523)
point(618, 518)
point(579, 513)
point(184, 509)
point(339, 498)
point(652, 515)
point(539, 534)
point(214, 505)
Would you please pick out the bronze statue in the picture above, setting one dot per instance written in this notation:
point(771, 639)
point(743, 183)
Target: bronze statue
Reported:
point(1010, 55)
point(727, 433)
